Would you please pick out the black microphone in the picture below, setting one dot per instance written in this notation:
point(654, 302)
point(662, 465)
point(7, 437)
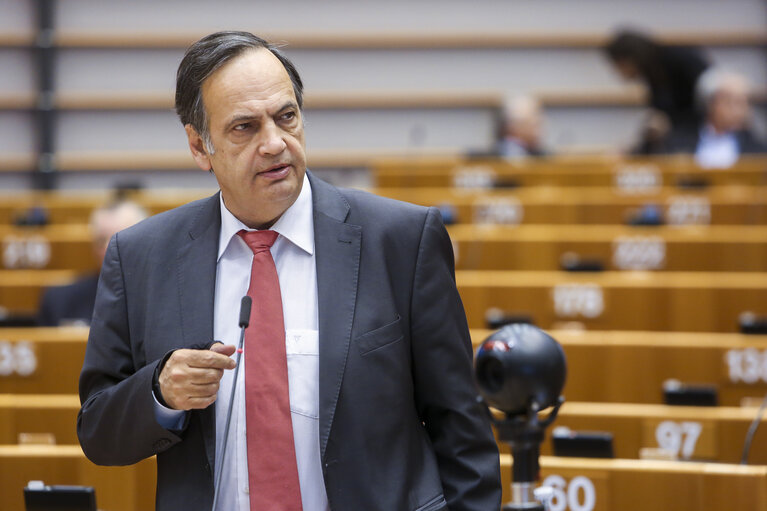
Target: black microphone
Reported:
point(245, 305)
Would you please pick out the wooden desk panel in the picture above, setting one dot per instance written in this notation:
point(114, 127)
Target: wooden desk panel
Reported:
point(693, 433)
point(570, 171)
point(627, 485)
point(41, 360)
point(485, 247)
point(130, 488)
point(727, 205)
point(66, 207)
point(669, 301)
point(541, 247)
point(61, 208)
point(619, 367)
point(638, 485)
point(39, 413)
point(21, 290)
point(54, 247)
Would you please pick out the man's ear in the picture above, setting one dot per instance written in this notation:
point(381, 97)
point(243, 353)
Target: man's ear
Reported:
point(197, 146)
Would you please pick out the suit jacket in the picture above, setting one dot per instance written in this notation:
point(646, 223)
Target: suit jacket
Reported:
point(72, 302)
point(686, 141)
point(400, 427)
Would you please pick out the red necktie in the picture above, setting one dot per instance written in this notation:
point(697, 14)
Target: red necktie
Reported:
point(272, 467)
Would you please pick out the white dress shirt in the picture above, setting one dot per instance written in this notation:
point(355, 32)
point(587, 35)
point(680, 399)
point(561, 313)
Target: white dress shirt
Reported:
point(716, 150)
point(293, 254)
point(512, 147)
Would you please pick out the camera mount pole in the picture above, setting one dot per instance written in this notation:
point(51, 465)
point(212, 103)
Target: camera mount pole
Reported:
point(524, 434)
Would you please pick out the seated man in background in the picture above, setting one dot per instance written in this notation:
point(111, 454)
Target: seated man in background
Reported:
point(725, 132)
point(521, 128)
point(73, 303)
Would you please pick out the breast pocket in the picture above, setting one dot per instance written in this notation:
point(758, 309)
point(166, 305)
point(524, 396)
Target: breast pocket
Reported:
point(380, 337)
point(302, 348)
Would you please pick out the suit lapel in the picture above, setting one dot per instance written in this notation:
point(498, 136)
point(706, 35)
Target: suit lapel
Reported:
point(197, 286)
point(337, 247)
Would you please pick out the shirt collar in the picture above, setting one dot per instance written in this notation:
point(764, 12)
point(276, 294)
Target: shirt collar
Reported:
point(707, 132)
point(296, 223)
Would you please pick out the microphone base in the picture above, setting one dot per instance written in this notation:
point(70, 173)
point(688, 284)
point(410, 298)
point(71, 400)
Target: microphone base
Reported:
point(523, 498)
point(531, 506)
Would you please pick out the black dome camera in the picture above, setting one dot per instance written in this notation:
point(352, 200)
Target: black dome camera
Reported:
point(520, 364)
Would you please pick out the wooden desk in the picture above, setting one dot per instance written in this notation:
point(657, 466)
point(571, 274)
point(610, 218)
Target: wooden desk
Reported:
point(619, 367)
point(76, 207)
point(638, 485)
point(668, 301)
point(21, 290)
point(485, 247)
point(725, 205)
point(130, 488)
point(627, 485)
point(39, 413)
point(570, 171)
point(696, 433)
point(541, 247)
point(55, 247)
point(705, 434)
point(41, 360)
point(736, 204)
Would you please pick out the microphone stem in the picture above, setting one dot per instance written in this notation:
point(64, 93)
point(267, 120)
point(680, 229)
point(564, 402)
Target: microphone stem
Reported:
point(228, 418)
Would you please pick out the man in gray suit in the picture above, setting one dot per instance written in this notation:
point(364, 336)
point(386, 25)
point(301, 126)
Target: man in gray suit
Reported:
point(374, 378)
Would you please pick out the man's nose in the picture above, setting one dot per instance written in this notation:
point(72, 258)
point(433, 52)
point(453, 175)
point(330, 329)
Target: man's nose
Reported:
point(272, 142)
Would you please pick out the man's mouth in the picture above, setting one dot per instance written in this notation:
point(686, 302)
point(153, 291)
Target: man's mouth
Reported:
point(276, 171)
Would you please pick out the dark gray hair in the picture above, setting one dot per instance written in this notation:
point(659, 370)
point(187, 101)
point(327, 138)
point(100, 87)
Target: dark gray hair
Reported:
point(207, 55)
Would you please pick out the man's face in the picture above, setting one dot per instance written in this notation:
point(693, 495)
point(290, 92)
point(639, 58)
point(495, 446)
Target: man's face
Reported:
point(729, 108)
point(257, 136)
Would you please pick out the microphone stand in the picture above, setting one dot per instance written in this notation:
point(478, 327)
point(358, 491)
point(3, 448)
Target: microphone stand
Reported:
point(524, 433)
point(245, 304)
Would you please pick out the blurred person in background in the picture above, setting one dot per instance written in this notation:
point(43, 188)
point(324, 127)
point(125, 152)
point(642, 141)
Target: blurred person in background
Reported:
point(73, 303)
point(670, 74)
point(725, 132)
point(522, 127)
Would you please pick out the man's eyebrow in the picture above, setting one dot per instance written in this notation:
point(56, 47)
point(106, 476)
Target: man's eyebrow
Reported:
point(249, 117)
point(287, 105)
point(237, 119)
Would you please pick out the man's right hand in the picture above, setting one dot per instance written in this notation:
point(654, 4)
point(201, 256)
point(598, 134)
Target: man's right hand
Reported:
point(190, 378)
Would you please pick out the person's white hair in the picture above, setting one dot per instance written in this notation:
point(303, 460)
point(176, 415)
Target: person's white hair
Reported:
point(713, 80)
point(519, 108)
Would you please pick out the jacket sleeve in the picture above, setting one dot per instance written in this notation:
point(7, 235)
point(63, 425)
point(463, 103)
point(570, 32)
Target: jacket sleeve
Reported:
point(446, 394)
point(116, 424)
